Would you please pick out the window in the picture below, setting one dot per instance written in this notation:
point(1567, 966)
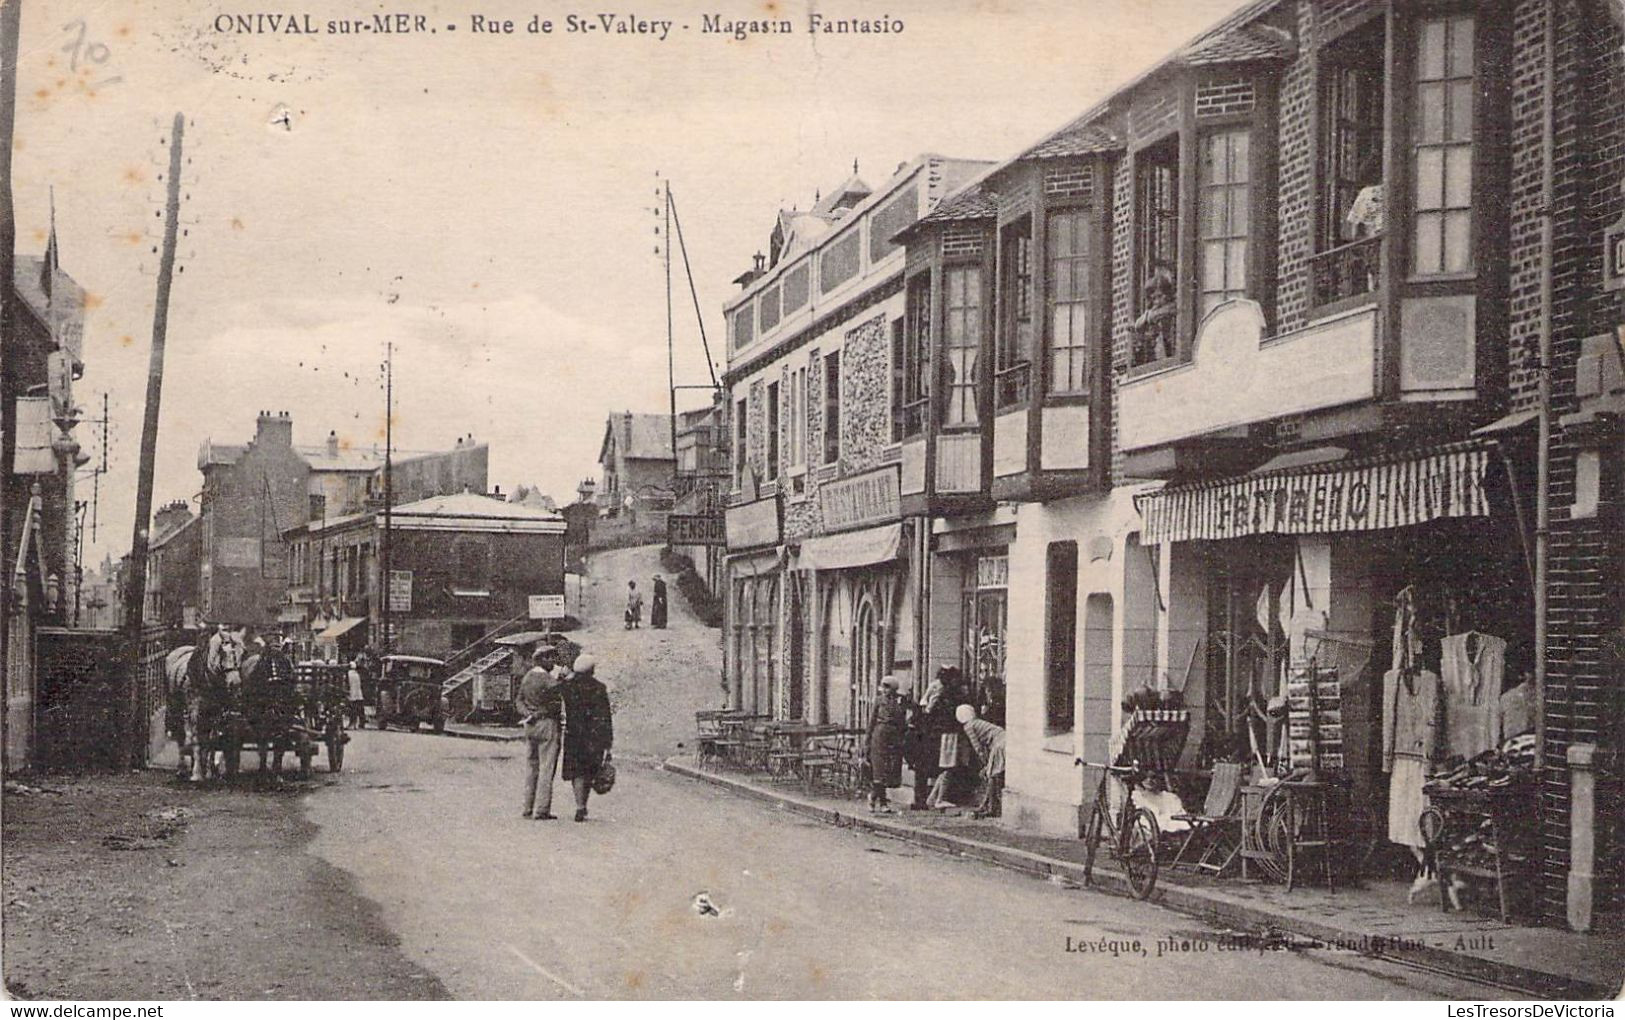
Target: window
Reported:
point(772, 470)
point(473, 566)
point(839, 262)
point(962, 342)
point(1016, 312)
point(739, 443)
point(744, 326)
point(832, 407)
point(1222, 214)
point(916, 357)
point(796, 287)
point(1156, 251)
point(1351, 134)
point(1060, 636)
point(1443, 146)
point(898, 399)
point(768, 305)
point(798, 417)
point(1067, 239)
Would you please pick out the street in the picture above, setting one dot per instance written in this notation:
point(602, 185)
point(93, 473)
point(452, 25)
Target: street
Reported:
point(499, 907)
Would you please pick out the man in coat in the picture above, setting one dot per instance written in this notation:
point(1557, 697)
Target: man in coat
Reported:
point(541, 710)
point(657, 605)
point(589, 731)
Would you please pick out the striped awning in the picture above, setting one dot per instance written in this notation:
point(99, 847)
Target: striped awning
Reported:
point(1355, 495)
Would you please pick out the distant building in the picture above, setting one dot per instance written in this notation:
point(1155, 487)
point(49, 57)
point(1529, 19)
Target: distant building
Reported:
point(173, 559)
point(464, 565)
point(254, 492)
point(636, 462)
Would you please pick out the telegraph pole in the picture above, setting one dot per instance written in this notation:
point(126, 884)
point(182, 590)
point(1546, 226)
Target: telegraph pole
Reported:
point(10, 27)
point(671, 342)
point(136, 593)
point(389, 493)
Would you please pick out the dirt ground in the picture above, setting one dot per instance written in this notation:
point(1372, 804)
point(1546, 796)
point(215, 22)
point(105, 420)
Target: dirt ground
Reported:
point(139, 887)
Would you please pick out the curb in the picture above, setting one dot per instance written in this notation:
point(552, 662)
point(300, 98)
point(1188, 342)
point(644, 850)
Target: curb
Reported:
point(476, 735)
point(1211, 907)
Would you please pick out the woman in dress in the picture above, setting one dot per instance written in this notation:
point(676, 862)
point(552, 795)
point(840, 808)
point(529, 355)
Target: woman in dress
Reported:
point(888, 722)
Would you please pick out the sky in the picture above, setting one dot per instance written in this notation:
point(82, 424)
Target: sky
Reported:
point(487, 203)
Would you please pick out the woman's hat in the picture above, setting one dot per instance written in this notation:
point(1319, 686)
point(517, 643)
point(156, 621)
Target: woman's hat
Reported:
point(584, 663)
point(964, 714)
point(889, 681)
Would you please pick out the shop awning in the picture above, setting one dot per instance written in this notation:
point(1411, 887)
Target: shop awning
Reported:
point(340, 628)
point(1360, 494)
point(291, 614)
point(524, 637)
point(852, 548)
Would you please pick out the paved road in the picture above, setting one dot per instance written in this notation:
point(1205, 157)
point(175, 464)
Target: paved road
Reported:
point(501, 907)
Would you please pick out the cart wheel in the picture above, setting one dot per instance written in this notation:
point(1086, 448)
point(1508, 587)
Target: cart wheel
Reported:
point(1139, 853)
point(335, 752)
point(1092, 833)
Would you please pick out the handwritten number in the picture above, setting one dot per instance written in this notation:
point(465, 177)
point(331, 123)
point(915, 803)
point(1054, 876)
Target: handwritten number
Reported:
point(94, 52)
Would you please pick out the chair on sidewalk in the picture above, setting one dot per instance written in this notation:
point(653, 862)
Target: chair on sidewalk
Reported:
point(1216, 830)
point(708, 730)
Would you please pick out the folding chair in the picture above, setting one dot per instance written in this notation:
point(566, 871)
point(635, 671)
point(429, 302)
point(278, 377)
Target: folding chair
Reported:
point(1210, 827)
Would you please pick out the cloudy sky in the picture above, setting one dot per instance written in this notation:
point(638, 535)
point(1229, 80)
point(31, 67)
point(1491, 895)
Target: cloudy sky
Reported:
point(487, 203)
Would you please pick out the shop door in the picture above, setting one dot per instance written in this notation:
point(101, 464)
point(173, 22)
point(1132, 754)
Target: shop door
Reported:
point(798, 682)
point(866, 666)
point(1248, 649)
point(764, 633)
point(985, 613)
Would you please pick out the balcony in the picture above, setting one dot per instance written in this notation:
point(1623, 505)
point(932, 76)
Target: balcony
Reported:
point(1346, 276)
point(1010, 386)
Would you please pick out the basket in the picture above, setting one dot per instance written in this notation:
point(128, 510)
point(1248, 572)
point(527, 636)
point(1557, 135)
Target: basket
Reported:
point(604, 780)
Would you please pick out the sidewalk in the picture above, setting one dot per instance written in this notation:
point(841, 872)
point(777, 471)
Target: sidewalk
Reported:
point(1375, 918)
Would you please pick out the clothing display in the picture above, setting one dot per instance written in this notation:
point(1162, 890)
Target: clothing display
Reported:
point(1471, 667)
point(1406, 801)
point(1410, 717)
point(1518, 710)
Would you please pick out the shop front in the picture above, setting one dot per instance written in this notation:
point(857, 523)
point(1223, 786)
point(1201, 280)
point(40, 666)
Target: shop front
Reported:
point(755, 590)
point(1363, 626)
point(858, 581)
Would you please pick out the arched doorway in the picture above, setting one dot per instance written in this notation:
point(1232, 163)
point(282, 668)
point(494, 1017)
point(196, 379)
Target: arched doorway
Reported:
point(763, 687)
point(868, 654)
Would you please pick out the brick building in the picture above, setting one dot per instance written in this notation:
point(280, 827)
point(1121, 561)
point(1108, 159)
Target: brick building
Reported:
point(464, 566)
point(255, 492)
point(1209, 389)
point(636, 460)
point(173, 558)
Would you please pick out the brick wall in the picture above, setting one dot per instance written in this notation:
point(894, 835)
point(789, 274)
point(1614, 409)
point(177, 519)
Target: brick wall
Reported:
point(1582, 698)
point(1122, 317)
point(1297, 178)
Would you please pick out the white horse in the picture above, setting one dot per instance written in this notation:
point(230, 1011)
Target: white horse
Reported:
point(206, 694)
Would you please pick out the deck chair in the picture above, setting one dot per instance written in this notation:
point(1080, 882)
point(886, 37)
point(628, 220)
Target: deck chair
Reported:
point(1216, 831)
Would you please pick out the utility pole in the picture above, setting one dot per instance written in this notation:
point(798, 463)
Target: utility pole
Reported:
point(389, 493)
point(10, 27)
point(671, 342)
point(137, 591)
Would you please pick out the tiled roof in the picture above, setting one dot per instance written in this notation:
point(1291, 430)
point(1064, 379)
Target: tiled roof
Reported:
point(971, 204)
point(1239, 45)
point(641, 436)
point(1081, 140)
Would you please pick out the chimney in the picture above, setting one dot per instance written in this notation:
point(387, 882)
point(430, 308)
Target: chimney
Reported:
point(274, 428)
point(759, 263)
point(171, 516)
point(332, 443)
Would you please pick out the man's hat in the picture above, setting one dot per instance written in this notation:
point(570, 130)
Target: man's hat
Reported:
point(544, 652)
point(584, 663)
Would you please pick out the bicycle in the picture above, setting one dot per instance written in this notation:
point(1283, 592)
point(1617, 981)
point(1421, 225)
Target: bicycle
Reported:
point(1131, 832)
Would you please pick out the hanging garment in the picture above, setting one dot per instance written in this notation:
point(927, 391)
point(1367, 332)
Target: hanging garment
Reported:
point(1410, 717)
point(1406, 643)
point(1471, 667)
point(1406, 802)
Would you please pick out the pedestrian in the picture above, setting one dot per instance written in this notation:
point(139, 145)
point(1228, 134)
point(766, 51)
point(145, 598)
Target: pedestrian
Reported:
point(657, 605)
point(358, 698)
point(589, 731)
point(887, 721)
point(542, 709)
point(634, 605)
point(938, 737)
point(988, 740)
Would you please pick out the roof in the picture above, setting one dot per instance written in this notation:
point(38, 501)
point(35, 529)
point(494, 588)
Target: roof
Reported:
point(974, 203)
point(1211, 46)
point(1082, 140)
point(212, 454)
point(474, 505)
point(163, 538)
point(352, 458)
point(28, 278)
point(641, 436)
point(852, 191)
point(1239, 45)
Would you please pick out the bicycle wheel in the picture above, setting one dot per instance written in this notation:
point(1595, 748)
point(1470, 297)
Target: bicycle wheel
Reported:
point(1138, 851)
point(1099, 821)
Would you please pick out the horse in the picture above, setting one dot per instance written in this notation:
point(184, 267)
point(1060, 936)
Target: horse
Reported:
point(203, 697)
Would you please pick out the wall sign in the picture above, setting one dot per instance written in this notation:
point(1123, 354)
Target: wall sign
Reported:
point(870, 498)
point(546, 607)
point(1448, 482)
point(753, 525)
point(1613, 257)
point(400, 591)
point(696, 529)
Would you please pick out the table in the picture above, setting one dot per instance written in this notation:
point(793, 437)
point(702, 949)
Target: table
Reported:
point(1480, 833)
point(1282, 821)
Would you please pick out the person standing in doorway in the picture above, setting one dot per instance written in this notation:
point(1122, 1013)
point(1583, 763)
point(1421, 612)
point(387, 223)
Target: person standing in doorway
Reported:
point(589, 731)
point(887, 722)
point(634, 606)
point(657, 604)
point(541, 711)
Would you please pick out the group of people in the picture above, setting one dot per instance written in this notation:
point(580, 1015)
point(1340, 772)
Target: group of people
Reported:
point(939, 737)
point(564, 708)
point(657, 605)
